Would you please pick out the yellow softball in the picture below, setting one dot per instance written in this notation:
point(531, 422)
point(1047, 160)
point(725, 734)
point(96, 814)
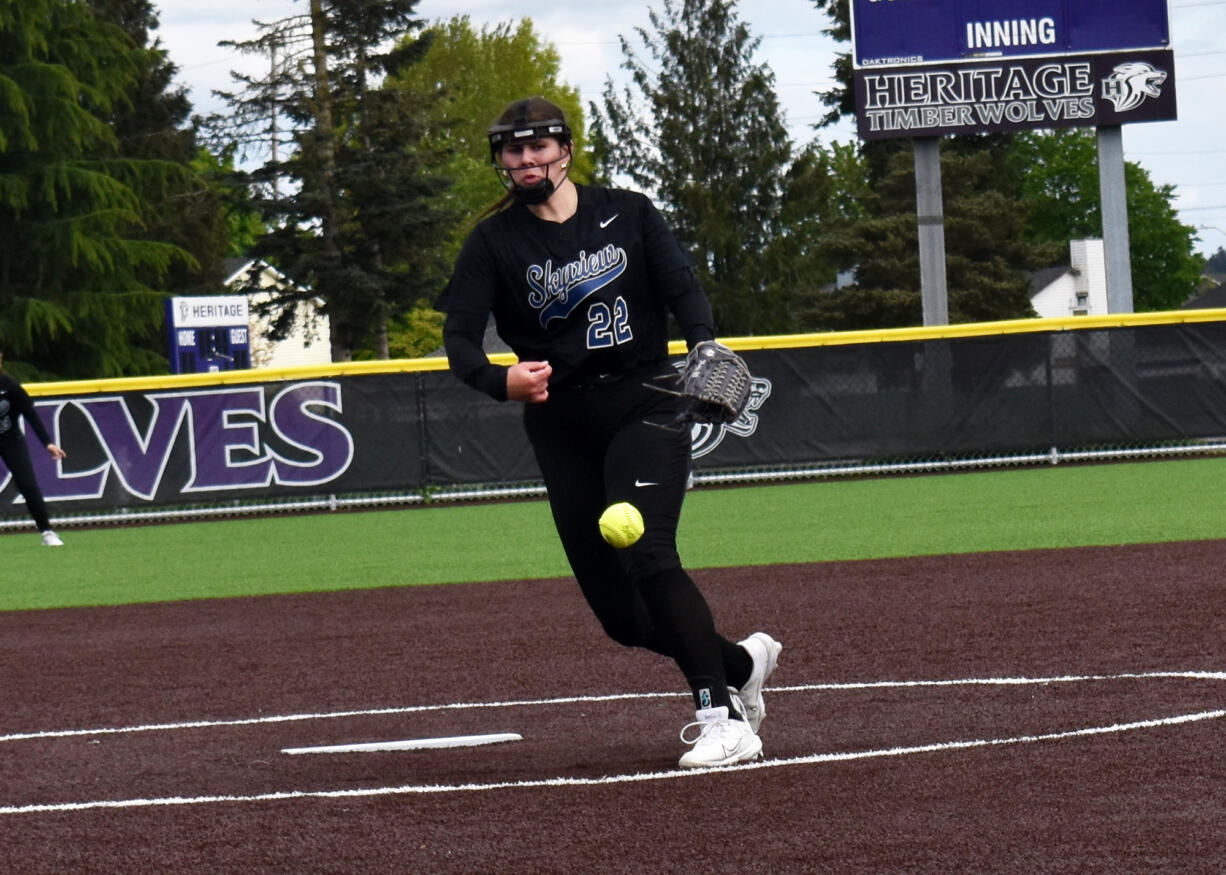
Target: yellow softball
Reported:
point(621, 524)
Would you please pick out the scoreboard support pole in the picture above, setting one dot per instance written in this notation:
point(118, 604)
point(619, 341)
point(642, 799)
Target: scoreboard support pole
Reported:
point(930, 214)
point(1113, 196)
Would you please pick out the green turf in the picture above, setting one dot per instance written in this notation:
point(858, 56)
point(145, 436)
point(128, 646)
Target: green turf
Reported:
point(1029, 508)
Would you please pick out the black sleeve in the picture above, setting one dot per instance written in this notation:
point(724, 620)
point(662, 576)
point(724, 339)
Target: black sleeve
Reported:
point(675, 277)
point(468, 300)
point(691, 308)
point(21, 401)
point(467, 358)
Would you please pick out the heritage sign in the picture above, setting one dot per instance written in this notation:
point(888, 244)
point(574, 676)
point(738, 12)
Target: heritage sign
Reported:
point(925, 68)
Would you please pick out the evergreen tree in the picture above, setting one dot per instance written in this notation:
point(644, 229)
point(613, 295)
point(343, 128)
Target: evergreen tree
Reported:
point(355, 209)
point(700, 128)
point(1216, 262)
point(74, 273)
point(242, 222)
point(987, 255)
point(823, 194)
point(841, 97)
point(154, 122)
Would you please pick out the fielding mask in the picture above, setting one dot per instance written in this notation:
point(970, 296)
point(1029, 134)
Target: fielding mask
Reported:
point(503, 135)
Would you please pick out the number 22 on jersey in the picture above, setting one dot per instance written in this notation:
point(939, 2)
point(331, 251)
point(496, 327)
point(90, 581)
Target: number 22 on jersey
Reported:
point(605, 327)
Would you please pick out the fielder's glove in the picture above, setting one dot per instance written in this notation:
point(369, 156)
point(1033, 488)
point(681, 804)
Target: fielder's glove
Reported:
point(714, 384)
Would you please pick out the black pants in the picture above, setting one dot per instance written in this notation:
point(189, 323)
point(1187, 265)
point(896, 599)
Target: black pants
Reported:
point(601, 443)
point(16, 457)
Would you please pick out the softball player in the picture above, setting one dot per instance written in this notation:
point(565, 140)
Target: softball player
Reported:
point(581, 281)
point(15, 402)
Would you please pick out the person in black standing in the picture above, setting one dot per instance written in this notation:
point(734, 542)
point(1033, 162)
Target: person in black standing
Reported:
point(15, 402)
point(581, 281)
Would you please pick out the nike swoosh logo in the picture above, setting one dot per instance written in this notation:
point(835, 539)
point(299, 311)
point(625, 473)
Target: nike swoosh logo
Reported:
point(609, 221)
point(641, 483)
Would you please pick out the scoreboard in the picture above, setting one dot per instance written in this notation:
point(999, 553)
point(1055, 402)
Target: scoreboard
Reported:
point(208, 333)
point(908, 32)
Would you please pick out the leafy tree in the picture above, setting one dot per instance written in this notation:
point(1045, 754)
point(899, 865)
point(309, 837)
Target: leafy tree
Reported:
point(354, 209)
point(700, 128)
point(74, 272)
point(418, 333)
point(1216, 262)
point(1059, 181)
point(472, 75)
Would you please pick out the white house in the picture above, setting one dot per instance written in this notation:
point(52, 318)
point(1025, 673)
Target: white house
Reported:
point(1077, 290)
point(309, 341)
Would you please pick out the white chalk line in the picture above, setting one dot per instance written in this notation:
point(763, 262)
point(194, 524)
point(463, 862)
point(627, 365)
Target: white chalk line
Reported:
point(332, 715)
point(422, 789)
point(810, 759)
point(611, 697)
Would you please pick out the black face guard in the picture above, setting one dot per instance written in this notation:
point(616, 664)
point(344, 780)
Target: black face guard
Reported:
point(502, 135)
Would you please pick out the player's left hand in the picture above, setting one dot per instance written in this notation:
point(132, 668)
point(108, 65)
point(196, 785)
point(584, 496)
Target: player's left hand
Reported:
point(56, 452)
point(714, 384)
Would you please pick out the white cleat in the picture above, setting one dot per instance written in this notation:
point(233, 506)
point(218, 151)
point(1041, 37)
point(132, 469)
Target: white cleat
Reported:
point(764, 651)
point(51, 539)
point(720, 741)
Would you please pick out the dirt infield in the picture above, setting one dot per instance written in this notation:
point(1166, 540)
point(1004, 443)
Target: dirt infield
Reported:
point(1054, 711)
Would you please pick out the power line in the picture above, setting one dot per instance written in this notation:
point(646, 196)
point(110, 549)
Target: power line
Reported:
point(763, 36)
point(1188, 152)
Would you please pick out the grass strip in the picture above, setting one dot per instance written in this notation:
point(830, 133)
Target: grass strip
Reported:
point(813, 521)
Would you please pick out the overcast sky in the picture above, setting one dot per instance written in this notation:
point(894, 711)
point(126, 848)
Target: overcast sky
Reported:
point(1189, 153)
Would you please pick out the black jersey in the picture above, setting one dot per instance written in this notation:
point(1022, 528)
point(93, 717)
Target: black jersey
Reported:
point(14, 402)
point(590, 295)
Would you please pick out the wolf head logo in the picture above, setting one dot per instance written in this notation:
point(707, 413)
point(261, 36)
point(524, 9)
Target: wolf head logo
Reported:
point(1129, 84)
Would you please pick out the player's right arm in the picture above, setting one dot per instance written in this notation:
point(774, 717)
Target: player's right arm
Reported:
point(468, 300)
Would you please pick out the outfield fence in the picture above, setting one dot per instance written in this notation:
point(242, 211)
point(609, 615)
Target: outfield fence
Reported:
point(371, 434)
